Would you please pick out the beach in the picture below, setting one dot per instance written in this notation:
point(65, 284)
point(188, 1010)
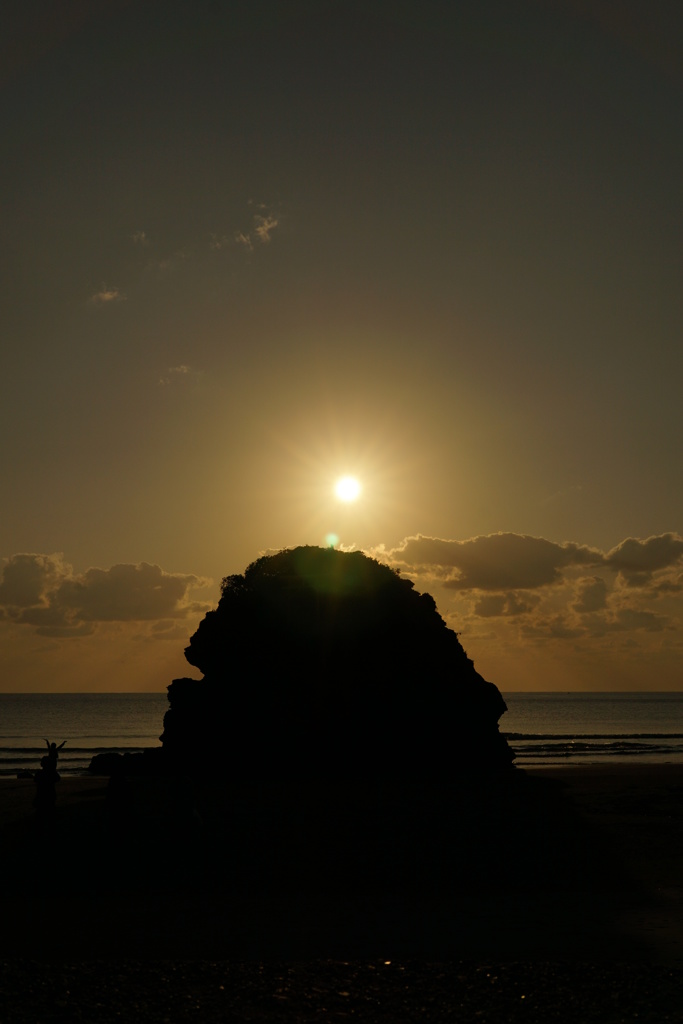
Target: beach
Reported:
point(562, 873)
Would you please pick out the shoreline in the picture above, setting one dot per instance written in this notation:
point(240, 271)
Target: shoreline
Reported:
point(606, 761)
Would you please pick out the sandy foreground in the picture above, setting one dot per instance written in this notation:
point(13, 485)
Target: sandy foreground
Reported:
point(558, 896)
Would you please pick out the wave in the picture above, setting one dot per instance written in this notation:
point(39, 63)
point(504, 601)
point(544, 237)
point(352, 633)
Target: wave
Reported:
point(73, 761)
point(85, 736)
point(603, 747)
point(7, 753)
point(592, 748)
point(571, 737)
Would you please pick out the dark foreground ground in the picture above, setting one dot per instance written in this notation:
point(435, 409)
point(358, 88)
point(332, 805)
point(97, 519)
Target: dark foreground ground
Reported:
point(334, 991)
point(554, 896)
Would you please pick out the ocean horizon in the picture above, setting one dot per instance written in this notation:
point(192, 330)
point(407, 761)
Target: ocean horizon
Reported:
point(543, 728)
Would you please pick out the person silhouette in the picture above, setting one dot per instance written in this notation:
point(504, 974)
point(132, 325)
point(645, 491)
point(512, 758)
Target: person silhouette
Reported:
point(46, 779)
point(53, 752)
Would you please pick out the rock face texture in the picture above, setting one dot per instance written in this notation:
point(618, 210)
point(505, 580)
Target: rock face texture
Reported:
point(319, 663)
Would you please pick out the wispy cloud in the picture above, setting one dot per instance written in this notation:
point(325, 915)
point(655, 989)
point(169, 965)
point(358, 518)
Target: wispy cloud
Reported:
point(254, 228)
point(264, 227)
point(107, 295)
point(168, 264)
point(218, 242)
point(260, 232)
point(244, 240)
point(178, 375)
point(494, 605)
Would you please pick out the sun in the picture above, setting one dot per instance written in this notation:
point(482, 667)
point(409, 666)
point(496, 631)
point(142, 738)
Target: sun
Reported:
point(347, 488)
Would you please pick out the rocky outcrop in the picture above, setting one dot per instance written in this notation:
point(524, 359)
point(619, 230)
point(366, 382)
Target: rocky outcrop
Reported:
point(326, 664)
point(144, 762)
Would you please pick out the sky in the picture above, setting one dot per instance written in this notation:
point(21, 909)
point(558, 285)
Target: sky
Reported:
point(250, 246)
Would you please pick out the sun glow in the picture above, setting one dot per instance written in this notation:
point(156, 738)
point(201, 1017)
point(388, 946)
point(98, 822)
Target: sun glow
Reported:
point(347, 488)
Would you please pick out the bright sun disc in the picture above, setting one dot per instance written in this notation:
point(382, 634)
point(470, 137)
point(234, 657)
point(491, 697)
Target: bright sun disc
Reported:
point(347, 488)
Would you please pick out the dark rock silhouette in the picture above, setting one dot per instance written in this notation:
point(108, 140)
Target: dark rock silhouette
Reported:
point(145, 762)
point(326, 664)
point(107, 763)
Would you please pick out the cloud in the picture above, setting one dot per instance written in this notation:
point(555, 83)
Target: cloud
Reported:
point(534, 593)
point(106, 295)
point(52, 620)
point(25, 579)
point(140, 238)
point(499, 561)
point(164, 629)
point(44, 592)
point(510, 605)
point(218, 242)
point(169, 264)
point(244, 240)
point(547, 625)
point(553, 627)
point(592, 595)
point(637, 560)
point(638, 618)
point(264, 226)
point(126, 592)
point(178, 374)
point(669, 585)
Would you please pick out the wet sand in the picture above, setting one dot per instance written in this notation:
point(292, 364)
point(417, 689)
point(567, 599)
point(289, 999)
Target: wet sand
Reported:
point(635, 812)
point(562, 874)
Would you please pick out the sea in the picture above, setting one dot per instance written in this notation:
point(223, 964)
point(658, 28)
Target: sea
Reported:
point(90, 723)
point(542, 728)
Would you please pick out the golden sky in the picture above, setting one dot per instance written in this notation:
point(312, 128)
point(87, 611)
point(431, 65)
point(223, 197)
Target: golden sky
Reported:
point(249, 248)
